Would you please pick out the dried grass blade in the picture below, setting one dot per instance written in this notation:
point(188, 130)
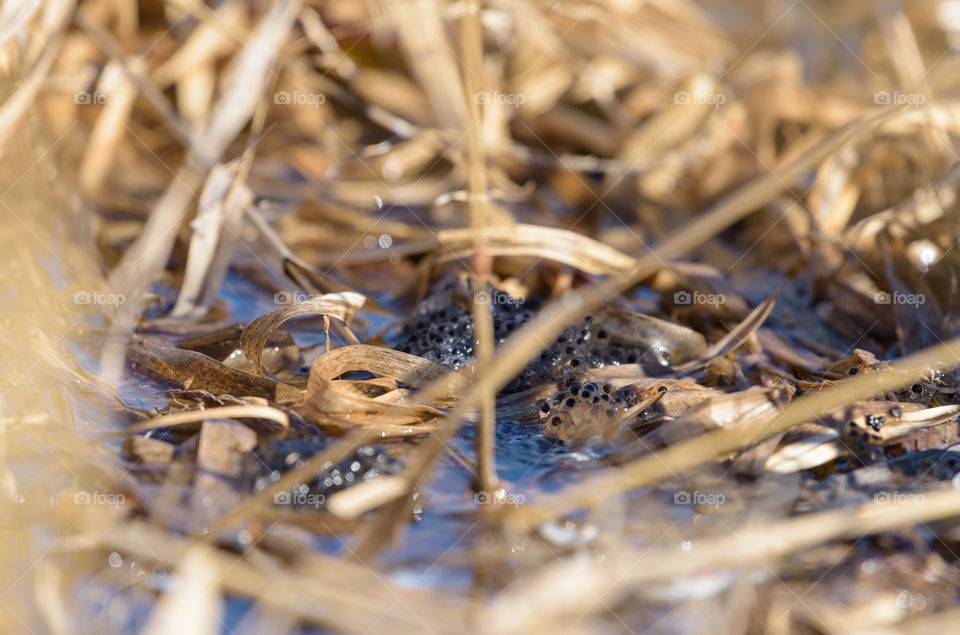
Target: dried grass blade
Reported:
point(221, 204)
point(734, 338)
point(195, 416)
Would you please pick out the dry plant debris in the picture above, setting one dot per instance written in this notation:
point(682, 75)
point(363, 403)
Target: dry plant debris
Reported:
point(480, 316)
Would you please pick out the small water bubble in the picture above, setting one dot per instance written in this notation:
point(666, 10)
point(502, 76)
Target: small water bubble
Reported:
point(686, 545)
point(385, 241)
point(116, 561)
point(379, 202)
point(370, 242)
point(924, 254)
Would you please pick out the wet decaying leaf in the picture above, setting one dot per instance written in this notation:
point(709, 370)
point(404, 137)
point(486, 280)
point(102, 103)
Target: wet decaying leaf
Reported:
point(187, 369)
point(480, 317)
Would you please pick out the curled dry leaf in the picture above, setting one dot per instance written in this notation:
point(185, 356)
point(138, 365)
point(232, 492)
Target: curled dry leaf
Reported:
point(343, 403)
point(341, 306)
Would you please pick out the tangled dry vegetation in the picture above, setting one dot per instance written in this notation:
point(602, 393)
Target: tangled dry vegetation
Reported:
point(488, 317)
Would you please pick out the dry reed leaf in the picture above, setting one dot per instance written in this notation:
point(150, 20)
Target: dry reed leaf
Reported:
point(215, 228)
point(112, 125)
point(814, 451)
point(195, 600)
point(14, 18)
point(735, 338)
point(353, 502)
point(430, 54)
point(341, 306)
point(16, 106)
point(753, 407)
point(560, 245)
point(196, 416)
point(214, 38)
point(665, 339)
